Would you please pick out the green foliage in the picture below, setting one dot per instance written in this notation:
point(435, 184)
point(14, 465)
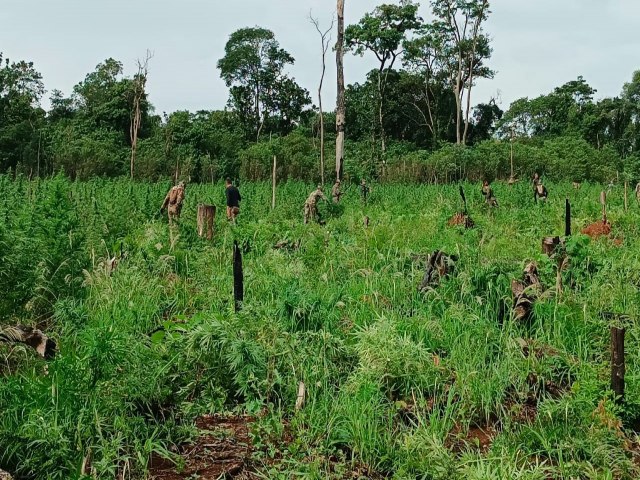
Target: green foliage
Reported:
point(263, 96)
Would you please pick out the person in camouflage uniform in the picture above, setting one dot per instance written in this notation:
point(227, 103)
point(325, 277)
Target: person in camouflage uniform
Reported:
point(311, 205)
point(489, 197)
point(173, 202)
point(336, 193)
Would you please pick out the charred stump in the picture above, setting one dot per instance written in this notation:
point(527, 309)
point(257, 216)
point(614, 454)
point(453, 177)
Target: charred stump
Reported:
point(525, 293)
point(238, 277)
point(439, 265)
point(617, 363)
point(41, 343)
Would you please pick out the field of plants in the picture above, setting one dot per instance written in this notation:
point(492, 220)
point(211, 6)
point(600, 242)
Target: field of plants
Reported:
point(401, 384)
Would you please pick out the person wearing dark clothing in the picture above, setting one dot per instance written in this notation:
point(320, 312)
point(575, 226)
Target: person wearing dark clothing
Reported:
point(540, 192)
point(364, 190)
point(233, 200)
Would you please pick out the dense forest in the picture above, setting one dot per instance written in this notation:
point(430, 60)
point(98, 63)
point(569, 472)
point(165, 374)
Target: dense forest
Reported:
point(410, 119)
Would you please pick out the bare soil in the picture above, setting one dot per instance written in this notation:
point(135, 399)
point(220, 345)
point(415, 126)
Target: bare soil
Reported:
point(222, 450)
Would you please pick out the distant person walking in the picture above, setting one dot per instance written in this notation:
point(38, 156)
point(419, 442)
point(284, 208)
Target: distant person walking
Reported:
point(311, 205)
point(173, 202)
point(540, 193)
point(489, 197)
point(336, 193)
point(233, 200)
point(364, 190)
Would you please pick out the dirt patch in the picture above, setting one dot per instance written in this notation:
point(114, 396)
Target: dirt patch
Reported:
point(222, 450)
point(598, 229)
point(477, 437)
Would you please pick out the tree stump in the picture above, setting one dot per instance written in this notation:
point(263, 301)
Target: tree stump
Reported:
point(617, 363)
point(549, 245)
point(206, 216)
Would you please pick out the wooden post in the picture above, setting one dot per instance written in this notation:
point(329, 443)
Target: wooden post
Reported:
point(567, 219)
point(273, 179)
point(302, 395)
point(206, 217)
point(626, 195)
point(238, 277)
point(617, 363)
point(511, 178)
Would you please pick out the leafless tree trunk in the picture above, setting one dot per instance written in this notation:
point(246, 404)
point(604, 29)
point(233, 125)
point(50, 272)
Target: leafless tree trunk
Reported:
point(325, 38)
point(139, 84)
point(472, 56)
point(340, 104)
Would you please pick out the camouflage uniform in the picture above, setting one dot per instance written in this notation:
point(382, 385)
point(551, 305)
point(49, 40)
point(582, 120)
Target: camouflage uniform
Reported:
point(311, 205)
point(336, 193)
point(173, 201)
point(489, 197)
point(638, 191)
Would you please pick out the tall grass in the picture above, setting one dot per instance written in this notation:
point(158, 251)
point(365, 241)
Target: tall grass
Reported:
point(395, 379)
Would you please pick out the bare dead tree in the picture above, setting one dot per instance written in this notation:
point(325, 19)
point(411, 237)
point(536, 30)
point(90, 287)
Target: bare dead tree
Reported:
point(340, 103)
point(139, 91)
point(325, 37)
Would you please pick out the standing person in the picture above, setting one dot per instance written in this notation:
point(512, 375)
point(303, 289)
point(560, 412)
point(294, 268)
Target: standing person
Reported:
point(336, 193)
point(173, 202)
point(489, 197)
point(638, 192)
point(311, 205)
point(540, 192)
point(364, 190)
point(233, 200)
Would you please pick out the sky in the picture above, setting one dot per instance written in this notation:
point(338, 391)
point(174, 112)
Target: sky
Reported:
point(538, 44)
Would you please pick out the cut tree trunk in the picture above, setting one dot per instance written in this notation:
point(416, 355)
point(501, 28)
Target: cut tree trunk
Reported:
point(206, 217)
point(549, 245)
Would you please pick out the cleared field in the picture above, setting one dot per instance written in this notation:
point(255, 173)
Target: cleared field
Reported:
point(398, 383)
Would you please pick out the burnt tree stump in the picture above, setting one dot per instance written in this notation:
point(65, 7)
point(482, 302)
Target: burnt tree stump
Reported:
point(238, 277)
point(206, 217)
point(549, 245)
point(617, 363)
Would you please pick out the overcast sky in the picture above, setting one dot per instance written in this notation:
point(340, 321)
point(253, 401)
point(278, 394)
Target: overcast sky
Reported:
point(538, 45)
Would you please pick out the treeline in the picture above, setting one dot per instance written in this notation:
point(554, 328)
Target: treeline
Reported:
point(409, 120)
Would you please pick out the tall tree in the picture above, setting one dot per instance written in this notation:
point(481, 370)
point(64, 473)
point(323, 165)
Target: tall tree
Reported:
point(260, 91)
point(325, 38)
point(382, 32)
point(425, 55)
point(340, 101)
point(459, 25)
point(21, 117)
